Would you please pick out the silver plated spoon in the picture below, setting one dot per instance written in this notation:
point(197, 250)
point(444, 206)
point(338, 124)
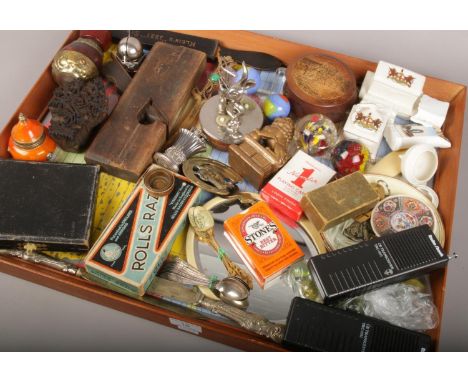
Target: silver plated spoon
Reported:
point(231, 290)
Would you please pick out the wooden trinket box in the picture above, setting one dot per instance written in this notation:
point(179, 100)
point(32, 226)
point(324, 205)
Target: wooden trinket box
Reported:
point(35, 106)
point(320, 83)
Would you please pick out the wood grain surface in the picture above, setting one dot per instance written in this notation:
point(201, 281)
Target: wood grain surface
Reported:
point(147, 111)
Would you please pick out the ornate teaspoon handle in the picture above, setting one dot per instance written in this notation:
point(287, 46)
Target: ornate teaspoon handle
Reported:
point(249, 321)
point(242, 197)
point(232, 268)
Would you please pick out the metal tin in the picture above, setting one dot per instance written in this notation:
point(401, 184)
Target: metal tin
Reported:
point(158, 182)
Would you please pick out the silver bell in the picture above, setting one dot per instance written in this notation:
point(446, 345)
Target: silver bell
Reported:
point(130, 49)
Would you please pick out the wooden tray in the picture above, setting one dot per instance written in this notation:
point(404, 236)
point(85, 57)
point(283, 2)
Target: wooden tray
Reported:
point(35, 106)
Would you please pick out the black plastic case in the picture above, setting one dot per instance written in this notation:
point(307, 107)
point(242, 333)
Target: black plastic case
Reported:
point(315, 327)
point(372, 264)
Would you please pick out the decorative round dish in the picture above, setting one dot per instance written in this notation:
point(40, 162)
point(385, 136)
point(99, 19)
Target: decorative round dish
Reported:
point(399, 213)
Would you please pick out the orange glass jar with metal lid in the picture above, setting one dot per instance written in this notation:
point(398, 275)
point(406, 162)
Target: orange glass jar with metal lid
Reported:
point(29, 141)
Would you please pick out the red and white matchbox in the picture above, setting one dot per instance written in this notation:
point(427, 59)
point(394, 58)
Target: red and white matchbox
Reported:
point(300, 175)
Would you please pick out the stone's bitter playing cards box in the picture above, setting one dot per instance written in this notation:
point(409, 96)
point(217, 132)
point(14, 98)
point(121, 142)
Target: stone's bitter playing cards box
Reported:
point(300, 175)
point(137, 240)
point(262, 242)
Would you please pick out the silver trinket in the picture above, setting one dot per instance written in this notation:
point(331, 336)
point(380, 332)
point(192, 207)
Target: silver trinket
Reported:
point(189, 143)
point(130, 53)
point(227, 117)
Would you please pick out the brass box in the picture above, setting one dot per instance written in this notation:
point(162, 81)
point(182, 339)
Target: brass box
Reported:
point(252, 161)
point(338, 201)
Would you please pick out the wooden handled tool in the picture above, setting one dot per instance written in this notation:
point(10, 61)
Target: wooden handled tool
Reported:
point(147, 112)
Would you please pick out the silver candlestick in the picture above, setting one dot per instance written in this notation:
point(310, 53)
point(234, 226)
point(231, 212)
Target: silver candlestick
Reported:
point(189, 143)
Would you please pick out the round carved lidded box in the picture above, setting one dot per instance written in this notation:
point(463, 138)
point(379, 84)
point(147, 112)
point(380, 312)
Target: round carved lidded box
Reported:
point(318, 83)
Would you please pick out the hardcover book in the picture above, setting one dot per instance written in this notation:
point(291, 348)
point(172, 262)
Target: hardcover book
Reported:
point(47, 206)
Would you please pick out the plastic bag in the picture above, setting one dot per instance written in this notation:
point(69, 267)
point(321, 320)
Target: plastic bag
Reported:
point(299, 279)
point(408, 305)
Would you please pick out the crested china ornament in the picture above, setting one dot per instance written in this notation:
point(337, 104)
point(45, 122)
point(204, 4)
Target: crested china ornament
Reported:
point(366, 124)
point(394, 87)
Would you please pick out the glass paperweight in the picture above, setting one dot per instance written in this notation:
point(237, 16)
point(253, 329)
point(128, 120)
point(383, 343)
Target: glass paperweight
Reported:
point(316, 134)
point(349, 156)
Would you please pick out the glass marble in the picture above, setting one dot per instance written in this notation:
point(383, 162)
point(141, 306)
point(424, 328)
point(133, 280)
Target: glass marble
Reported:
point(317, 134)
point(349, 156)
point(276, 106)
point(253, 74)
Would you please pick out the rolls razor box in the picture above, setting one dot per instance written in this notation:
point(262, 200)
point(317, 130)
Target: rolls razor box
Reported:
point(134, 245)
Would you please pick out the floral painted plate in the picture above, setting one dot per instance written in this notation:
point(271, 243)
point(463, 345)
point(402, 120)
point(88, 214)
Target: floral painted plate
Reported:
point(398, 213)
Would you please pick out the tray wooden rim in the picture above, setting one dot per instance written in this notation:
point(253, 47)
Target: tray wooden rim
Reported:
point(35, 106)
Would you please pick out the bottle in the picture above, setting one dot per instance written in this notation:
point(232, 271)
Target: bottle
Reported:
point(29, 141)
